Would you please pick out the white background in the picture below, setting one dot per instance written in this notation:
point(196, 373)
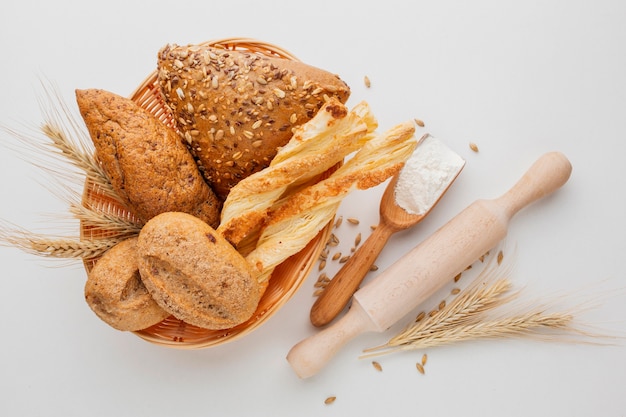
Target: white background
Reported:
point(517, 78)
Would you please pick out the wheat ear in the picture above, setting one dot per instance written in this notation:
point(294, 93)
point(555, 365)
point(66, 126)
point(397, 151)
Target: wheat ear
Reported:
point(112, 220)
point(526, 324)
point(482, 311)
point(57, 247)
point(69, 138)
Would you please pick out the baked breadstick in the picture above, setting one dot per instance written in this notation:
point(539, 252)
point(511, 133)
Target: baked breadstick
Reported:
point(314, 148)
point(295, 221)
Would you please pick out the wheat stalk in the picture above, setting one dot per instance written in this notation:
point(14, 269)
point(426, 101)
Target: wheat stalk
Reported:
point(526, 324)
point(58, 247)
point(66, 142)
point(466, 308)
point(71, 141)
point(79, 157)
point(478, 312)
point(111, 219)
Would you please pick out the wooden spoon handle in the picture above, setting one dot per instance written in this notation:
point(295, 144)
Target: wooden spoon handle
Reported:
point(339, 290)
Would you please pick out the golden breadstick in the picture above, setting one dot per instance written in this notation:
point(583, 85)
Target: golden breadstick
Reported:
point(296, 220)
point(314, 148)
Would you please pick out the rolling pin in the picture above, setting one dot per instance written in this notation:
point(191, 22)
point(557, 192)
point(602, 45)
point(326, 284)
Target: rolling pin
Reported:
point(431, 264)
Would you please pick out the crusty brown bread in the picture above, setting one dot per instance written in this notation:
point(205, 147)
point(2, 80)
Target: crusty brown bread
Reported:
point(116, 293)
point(236, 108)
point(194, 273)
point(148, 165)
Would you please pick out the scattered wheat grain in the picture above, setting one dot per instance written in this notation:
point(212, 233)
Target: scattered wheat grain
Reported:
point(420, 316)
point(420, 368)
point(339, 221)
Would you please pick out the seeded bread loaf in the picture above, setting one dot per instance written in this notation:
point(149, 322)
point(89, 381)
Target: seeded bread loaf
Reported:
point(116, 293)
point(148, 165)
point(235, 108)
point(194, 273)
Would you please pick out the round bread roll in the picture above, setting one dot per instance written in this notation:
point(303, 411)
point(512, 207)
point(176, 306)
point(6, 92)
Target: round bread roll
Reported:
point(236, 108)
point(147, 163)
point(194, 273)
point(116, 293)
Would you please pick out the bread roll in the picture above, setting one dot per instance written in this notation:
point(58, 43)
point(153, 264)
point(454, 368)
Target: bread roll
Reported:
point(194, 273)
point(116, 293)
point(235, 108)
point(149, 167)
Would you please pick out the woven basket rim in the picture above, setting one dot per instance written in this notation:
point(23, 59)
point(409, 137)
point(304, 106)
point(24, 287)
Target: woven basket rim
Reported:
point(148, 95)
point(250, 44)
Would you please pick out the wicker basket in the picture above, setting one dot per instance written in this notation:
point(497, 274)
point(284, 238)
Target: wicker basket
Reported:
point(286, 278)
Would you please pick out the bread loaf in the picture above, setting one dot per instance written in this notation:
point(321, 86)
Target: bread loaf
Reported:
point(235, 108)
point(194, 273)
point(116, 293)
point(148, 166)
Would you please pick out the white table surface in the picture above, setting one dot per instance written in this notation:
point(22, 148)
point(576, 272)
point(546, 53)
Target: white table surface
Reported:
point(517, 78)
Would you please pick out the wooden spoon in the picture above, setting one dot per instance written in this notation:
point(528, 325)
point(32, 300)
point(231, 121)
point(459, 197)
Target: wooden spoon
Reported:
point(393, 218)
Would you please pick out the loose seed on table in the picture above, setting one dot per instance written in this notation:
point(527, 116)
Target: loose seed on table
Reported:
point(420, 316)
point(339, 221)
point(420, 368)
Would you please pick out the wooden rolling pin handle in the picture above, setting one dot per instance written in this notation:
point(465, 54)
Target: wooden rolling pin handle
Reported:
point(545, 176)
point(310, 355)
point(339, 290)
point(427, 267)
